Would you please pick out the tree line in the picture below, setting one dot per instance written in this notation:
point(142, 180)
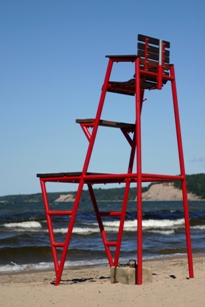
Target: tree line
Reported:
point(195, 185)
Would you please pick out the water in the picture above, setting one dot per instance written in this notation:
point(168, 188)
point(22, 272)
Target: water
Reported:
point(24, 240)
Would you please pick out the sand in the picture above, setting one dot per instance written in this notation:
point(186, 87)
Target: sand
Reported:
point(166, 191)
point(91, 287)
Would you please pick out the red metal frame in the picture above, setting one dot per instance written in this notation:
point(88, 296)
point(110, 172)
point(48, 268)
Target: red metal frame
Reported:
point(138, 177)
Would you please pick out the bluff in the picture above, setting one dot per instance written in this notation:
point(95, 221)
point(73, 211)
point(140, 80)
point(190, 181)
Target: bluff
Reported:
point(165, 191)
point(155, 192)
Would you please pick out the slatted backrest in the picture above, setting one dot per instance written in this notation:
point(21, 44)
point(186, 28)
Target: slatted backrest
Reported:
point(154, 56)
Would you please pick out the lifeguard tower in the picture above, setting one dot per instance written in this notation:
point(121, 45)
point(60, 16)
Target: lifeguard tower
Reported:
point(152, 71)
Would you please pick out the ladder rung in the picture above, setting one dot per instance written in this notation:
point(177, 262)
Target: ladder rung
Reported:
point(60, 212)
point(111, 243)
point(58, 244)
point(112, 213)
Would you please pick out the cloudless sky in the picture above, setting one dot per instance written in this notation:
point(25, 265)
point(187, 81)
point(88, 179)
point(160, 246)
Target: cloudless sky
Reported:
point(52, 60)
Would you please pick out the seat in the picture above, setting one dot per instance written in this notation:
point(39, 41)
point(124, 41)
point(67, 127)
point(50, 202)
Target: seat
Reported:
point(154, 66)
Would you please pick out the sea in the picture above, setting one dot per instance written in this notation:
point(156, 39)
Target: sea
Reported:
point(25, 245)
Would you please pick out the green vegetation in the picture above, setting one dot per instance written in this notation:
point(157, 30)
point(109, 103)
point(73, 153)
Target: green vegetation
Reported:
point(113, 194)
point(195, 185)
point(31, 197)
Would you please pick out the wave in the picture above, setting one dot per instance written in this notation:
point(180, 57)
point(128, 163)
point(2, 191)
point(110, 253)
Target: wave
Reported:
point(162, 223)
point(163, 232)
point(131, 225)
point(199, 227)
point(78, 230)
point(14, 267)
point(110, 226)
point(30, 224)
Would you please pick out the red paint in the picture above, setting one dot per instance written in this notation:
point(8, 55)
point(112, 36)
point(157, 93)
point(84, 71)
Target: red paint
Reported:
point(131, 176)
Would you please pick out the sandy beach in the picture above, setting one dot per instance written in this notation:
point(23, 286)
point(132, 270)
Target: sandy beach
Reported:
point(91, 286)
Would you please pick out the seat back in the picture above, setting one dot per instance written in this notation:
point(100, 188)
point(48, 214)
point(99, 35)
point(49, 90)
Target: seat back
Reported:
point(154, 61)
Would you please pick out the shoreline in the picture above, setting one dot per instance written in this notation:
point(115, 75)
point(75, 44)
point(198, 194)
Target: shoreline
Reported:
point(91, 286)
point(104, 264)
point(103, 267)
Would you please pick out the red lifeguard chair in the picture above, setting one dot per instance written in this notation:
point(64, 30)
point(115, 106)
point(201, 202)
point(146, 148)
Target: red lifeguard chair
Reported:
point(152, 71)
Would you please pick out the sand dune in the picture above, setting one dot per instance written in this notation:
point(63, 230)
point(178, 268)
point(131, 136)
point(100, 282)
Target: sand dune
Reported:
point(161, 191)
point(165, 191)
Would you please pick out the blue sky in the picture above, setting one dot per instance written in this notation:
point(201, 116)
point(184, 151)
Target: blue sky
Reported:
point(52, 60)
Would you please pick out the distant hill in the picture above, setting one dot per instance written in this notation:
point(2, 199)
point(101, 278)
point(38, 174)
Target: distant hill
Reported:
point(154, 191)
point(166, 191)
point(195, 184)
